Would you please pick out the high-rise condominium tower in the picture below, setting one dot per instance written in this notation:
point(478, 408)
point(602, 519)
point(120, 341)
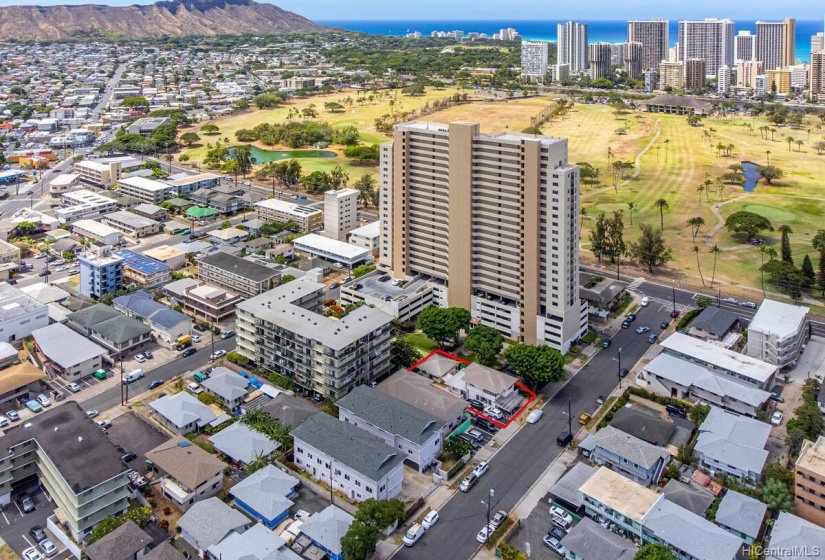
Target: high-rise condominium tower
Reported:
point(632, 54)
point(534, 57)
point(709, 39)
point(818, 42)
point(775, 43)
point(695, 72)
point(743, 48)
point(653, 35)
point(817, 75)
point(492, 220)
point(572, 45)
point(599, 57)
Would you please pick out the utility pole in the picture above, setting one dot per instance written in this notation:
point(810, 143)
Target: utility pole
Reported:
point(620, 369)
point(674, 298)
point(489, 506)
point(569, 419)
point(212, 332)
point(121, 381)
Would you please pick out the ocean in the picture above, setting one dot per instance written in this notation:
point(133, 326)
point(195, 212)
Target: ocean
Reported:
point(609, 31)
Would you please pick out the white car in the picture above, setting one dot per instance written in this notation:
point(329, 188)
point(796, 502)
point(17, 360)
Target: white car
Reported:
point(560, 516)
point(776, 419)
point(196, 338)
point(32, 554)
point(534, 416)
point(645, 301)
point(430, 519)
point(484, 534)
point(44, 400)
point(73, 387)
point(140, 358)
point(217, 354)
point(493, 412)
point(481, 468)
point(195, 388)
point(48, 548)
point(730, 300)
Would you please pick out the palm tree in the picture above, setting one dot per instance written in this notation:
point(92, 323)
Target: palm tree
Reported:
point(701, 189)
point(799, 145)
point(715, 250)
point(790, 141)
point(662, 205)
point(631, 206)
point(768, 156)
point(708, 183)
point(697, 250)
point(695, 223)
point(763, 249)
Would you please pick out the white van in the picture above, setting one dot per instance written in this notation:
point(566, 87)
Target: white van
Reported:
point(412, 535)
point(132, 376)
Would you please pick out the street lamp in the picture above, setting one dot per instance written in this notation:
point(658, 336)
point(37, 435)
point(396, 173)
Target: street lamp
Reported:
point(620, 368)
point(569, 418)
point(489, 505)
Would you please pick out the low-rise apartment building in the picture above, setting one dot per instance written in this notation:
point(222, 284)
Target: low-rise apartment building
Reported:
point(721, 360)
point(733, 445)
point(84, 204)
point(628, 455)
point(238, 275)
point(142, 270)
point(147, 190)
point(19, 383)
point(58, 447)
point(809, 482)
point(202, 300)
point(367, 237)
point(9, 253)
point(182, 413)
point(168, 255)
point(332, 250)
point(147, 125)
point(307, 217)
point(187, 184)
point(104, 173)
point(286, 331)
point(68, 354)
point(119, 334)
point(400, 425)
point(403, 301)
point(96, 231)
point(132, 224)
point(777, 333)
point(20, 314)
point(101, 272)
point(350, 459)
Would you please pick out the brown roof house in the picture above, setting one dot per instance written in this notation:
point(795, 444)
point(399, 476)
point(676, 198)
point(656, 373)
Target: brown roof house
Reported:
point(190, 473)
point(127, 542)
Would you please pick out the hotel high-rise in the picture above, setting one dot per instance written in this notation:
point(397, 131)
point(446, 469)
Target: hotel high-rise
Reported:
point(653, 35)
point(743, 49)
point(710, 40)
point(599, 57)
point(534, 58)
point(492, 221)
point(572, 45)
point(775, 43)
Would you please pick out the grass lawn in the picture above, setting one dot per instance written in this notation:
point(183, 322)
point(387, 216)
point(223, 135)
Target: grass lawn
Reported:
point(423, 343)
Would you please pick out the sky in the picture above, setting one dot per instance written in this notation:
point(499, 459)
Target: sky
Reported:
point(587, 10)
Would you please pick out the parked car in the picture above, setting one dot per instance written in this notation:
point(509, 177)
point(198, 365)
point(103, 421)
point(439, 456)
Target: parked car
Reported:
point(73, 387)
point(468, 483)
point(44, 273)
point(128, 456)
point(664, 325)
point(199, 328)
point(149, 355)
point(485, 533)
point(25, 503)
point(196, 338)
point(188, 352)
point(37, 533)
point(217, 354)
point(413, 534)
point(777, 397)
point(674, 410)
point(554, 544)
point(674, 314)
point(104, 424)
point(481, 468)
point(154, 384)
point(12, 415)
point(478, 405)
point(44, 400)
point(34, 406)
point(48, 548)
point(560, 517)
point(584, 418)
point(227, 334)
point(600, 400)
point(630, 317)
point(642, 330)
point(32, 553)
point(534, 416)
point(776, 418)
point(749, 304)
point(606, 343)
point(645, 301)
point(430, 519)
point(625, 324)
point(498, 518)
point(564, 438)
point(92, 413)
point(194, 388)
point(493, 412)
point(652, 338)
point(730, 300)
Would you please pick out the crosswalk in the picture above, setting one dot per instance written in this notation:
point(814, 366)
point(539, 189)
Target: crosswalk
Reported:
point(666, 302)
point(636, 283)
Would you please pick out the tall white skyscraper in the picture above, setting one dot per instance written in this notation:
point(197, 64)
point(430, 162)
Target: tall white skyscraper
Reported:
point(775, 43)
point(743, 48)
point(340, 213)
point(495, 230)
point(723, 80)
point(710, 40)
point(818, 42)
point(572, 45)
point(653, 35)
point(534, 57)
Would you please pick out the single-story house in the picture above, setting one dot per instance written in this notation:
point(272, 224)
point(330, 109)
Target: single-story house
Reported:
point(266, 495)
point(690, 497)
point(289, 410)
point(326, 528)
point(675, 105)
point(152, 212)
point(227, 386)
point(20, 383)
point(602, 294)
point(256, 543)
point(588, 540)
point(127, 542)
point(242, 444)
point(228, 235)
point(182, 413)
point(713, 323)
point(209, 522)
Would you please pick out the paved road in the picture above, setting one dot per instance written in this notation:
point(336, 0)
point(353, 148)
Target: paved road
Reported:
point(525, 457)
point(111, 398)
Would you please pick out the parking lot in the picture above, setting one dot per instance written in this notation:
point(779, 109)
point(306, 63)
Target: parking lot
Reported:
point(15, 525)
point(528, 537)
point(131, 433)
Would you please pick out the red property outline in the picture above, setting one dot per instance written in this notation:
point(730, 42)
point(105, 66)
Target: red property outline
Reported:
point(470, 408)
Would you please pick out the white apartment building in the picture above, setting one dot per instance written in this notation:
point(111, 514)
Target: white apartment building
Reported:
point(496, 229)
point(20, 314)
point(559, 72)
point(332, 250)
point(572, 45)
point(368, 236)
point(599, 57)
point(96, 231)
point(351, 460)
point(340, 213)
point(9, 253)
point(775, 43)
point(818, 42)
point(307, 217)
point(534, 59)
point(400, 425)
point(760, 84)
point(744, 47)
point(84, 204)
point(285, 330)
point(146, 190)
point(104, 172)
point(653, 35)
point(777, 332)
point(709, 39)
point(132, 224)
point(191, 183)
point(723, 80)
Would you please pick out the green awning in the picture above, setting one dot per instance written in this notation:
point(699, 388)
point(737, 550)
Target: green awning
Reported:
point(199, 212)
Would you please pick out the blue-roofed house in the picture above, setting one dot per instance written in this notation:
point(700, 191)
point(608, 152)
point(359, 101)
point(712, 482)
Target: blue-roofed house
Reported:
point(143, 270)
point(326, 528)
point(167, 324)
point(265, 495)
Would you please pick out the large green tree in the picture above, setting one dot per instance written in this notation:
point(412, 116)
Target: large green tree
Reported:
point(485, 341)
point(537, 364)
point(358, 543)
point(366, 186)
point(404, 353)
point(650, 250)
point(442, 324)
point(747, 222)
point(189, 138)
point(785, 245)
point(598, 237)
point(771, 173)
point(775, 494)
point(244, 158)
point(654, 551)
point(662, 205)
